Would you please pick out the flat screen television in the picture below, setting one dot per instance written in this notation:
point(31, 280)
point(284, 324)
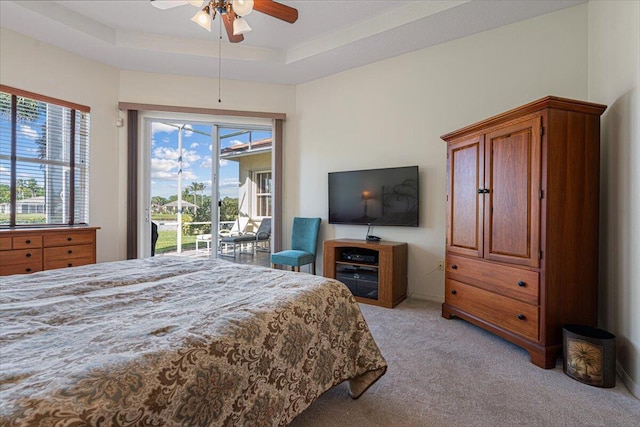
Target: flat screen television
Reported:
point(374, 196)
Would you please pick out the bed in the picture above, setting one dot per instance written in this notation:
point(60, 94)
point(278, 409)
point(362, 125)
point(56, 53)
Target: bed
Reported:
point(175, 341)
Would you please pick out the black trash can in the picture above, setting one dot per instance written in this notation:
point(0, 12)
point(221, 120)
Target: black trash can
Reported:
point(589, 355)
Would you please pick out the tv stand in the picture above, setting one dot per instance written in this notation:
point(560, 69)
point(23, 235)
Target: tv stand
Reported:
point(375, 272)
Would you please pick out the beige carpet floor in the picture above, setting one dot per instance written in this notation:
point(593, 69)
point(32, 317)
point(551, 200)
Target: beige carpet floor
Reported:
point(451, 373)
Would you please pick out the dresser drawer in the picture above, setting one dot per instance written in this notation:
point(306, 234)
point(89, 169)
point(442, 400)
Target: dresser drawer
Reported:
point(71, 238)
point(64, 263)
point(507, 313)
point(509, 281)
point(67, 252)
point(26, 242)
point(27, 268)
point(21, 256)
point(5, 243)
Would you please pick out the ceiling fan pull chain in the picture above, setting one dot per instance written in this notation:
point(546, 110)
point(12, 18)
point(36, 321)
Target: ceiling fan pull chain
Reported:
point(220, 58)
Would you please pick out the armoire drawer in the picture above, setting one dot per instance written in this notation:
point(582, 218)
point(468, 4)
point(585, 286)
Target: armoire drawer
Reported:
point(509, 281)
point(506, 313)
point(67, 252)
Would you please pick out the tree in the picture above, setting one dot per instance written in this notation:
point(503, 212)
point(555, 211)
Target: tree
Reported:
point(157, 202)
point(203, 214)
point(193, 188)
point(5, 193)
point(27, 108)
point(197, 187)
point(33, 187)
point(20, 187)
point(228, 209)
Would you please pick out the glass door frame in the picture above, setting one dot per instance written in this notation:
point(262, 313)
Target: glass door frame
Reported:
point(144, 165)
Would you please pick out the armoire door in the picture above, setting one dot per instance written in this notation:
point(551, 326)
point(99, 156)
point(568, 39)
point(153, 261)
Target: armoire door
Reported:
point(465, 203)
point(512, 192)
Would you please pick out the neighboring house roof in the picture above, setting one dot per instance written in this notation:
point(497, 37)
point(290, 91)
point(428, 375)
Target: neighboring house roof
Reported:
point(246, 149)
point(38, 200)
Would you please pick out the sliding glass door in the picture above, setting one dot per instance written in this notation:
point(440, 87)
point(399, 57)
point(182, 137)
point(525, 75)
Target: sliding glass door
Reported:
point(200, 180)
point(245, 182)
point(177, 181)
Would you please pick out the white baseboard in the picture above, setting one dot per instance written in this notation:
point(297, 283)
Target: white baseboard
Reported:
point(628, 381)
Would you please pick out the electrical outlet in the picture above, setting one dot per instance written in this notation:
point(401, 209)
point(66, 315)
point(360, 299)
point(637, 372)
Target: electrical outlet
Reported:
point(440, 265)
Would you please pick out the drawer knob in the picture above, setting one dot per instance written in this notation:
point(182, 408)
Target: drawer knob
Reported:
point(28, 255)
point(68, 239)
point(69, 265)
point(453, 292)
point(28, 242)
point(454, 267)
point(521, 283)
point(521, 316)
point(28, 270)
point(69, 251)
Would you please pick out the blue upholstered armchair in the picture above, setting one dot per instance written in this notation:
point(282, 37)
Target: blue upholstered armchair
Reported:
point(304, 239)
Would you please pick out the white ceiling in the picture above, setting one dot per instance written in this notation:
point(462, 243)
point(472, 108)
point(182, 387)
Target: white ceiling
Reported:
point(330, 36)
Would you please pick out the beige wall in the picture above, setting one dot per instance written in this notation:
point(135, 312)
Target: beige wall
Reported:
point(37, 67)
point(248, 165)
point(393, 112)
point(614, 74)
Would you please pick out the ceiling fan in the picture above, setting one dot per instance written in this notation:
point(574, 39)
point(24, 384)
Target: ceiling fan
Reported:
point(232, 13)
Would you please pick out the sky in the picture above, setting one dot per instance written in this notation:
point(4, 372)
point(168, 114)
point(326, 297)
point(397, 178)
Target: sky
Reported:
point(196, 158)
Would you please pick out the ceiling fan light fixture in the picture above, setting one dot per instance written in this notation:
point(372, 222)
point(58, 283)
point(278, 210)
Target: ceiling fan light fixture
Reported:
point(203, 19)
point(242, 7)
point(240, 26)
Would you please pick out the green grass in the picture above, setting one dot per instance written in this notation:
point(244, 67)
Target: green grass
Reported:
point(167, 242)
point(164, 217)
point(24, 218)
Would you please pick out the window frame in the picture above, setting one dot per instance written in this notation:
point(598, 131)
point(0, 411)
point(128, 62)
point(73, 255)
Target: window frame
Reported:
point(256, 194)
point(79, 142)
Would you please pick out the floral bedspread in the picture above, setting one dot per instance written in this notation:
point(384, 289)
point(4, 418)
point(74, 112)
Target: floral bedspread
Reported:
point(170, 341)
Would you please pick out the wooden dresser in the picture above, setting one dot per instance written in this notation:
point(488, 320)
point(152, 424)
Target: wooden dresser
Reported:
point(29, 250)
point(522, 223)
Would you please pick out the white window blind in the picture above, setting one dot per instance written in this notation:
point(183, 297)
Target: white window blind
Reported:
point(44, 160)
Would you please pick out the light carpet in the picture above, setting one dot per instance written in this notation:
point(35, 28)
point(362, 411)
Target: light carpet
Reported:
point(451, 373)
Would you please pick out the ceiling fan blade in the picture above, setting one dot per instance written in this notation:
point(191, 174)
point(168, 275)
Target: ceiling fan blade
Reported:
point(277, 10)
point(228, 19)
point(167, 4)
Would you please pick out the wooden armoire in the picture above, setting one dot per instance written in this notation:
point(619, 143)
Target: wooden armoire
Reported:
point(522, 223)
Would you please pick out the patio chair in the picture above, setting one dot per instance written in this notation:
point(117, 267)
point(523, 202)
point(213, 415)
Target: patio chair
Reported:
point(238, 229)
point(304, 239)
point(263, 234)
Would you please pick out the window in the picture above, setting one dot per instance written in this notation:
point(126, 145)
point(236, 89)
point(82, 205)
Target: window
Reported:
point(262, 199)
point(44, 160)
